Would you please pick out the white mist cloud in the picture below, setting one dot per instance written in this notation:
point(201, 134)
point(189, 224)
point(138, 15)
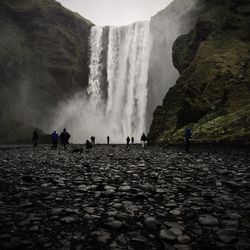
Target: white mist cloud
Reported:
point(115, 12)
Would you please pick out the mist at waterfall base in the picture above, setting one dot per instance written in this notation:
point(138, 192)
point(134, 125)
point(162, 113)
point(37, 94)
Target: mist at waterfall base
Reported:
point(131, 70)
point(116, 98)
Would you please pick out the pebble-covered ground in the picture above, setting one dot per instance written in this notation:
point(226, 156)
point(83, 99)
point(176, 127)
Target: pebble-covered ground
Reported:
point(124, 198)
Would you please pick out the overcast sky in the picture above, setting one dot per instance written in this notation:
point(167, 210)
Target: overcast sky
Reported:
point(115, 12)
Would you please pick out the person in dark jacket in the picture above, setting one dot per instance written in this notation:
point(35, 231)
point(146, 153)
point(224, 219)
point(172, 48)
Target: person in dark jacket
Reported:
point(64, 137)
point(128, 141)
point(88, 145)
point(144, 140)
point(132, 140)
point(54, 139)
point(187, 138)
point(35, 139)
point(92, 138)
point(108, 139)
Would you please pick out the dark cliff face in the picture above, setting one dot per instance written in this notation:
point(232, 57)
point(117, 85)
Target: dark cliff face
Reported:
point(212, 94)
point(43, 60)
point(177, 19)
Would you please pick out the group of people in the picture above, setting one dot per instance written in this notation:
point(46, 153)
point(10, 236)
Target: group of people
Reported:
point(64, 138)
point(144, 140)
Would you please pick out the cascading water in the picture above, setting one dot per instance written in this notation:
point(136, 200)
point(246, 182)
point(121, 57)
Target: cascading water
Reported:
point(118, 79)
point(125, 86)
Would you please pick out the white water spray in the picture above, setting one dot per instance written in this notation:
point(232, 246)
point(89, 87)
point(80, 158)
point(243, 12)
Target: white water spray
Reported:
point(118, 80)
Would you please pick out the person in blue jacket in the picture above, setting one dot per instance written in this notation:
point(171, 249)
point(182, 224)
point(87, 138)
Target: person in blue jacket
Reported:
point(54, 139)
point(187, 138)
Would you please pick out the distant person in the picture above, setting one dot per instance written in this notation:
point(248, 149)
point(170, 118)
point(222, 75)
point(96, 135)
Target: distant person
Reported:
point(144, 140)
point(132, 140)
point(108, 139)
point(64, 137)
point(35, 139)
point(88, 145)
point(54, 139)
point(187, 138)
point(92, 138)
point(128, 141)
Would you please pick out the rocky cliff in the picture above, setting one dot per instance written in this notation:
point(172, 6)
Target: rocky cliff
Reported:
point(212, 95)
point(43, 60)
point(176, 19)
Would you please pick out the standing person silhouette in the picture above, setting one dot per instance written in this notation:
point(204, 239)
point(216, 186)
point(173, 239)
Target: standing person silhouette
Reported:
point(54, 139)
point(144, 140)
point(64, 137)
point(128, 141)
point(35, 139)
point(108, 138)
point(88, 145)
point(92, 138)
point(187, 138)
point(132, 140)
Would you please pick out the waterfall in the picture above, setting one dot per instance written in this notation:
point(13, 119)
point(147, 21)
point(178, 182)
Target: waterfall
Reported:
point(117, 91)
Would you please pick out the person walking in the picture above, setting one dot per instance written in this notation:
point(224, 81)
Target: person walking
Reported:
point(35, 139)
point(108, 138)
point(144, 140)
point(54, 139)
point(64, 137)
point(187, 138)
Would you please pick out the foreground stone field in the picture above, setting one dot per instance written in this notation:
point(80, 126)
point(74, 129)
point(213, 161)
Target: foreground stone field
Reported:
point(118, 198)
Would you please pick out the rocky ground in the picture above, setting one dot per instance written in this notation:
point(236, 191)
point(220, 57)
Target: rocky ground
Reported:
point(118, 198)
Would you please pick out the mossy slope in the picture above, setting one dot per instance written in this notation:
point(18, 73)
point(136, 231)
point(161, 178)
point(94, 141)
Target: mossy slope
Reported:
point(212, 94)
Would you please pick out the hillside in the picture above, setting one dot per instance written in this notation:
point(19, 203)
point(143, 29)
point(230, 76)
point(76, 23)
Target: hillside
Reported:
point(212, 95)
point(43, 60)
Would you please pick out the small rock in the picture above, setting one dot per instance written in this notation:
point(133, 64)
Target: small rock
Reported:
point(176, 231)
point(227, 235)
point(167, 235)
point(183, 239)
point(150, 222)
point(208, 220)
point(182, 247)
point(115, 224)
point(175, 212)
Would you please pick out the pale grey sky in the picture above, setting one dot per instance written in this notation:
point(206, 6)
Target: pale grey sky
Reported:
point(115, 12)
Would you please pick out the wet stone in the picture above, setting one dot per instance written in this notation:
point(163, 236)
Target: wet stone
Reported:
point(115, 224)
point(183, 239)
point(167, 235)
point(208, 220)
point(150, 222)
point(227, 235)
